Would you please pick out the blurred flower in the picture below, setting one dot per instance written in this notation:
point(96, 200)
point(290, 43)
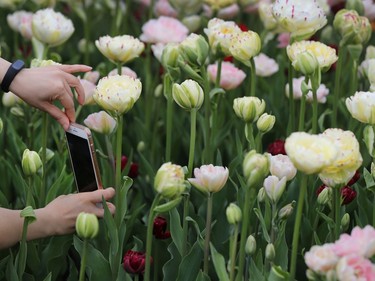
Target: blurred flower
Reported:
point(51, 28)
point(369, 7)
point(117, 94)
point(160, 228)
point(276, 147)
point(120, 48)
point(41, 63)
point(310, 153)
point(194, 49)
point(347, 161)
point(301, 18)
point(124, 71)
point(261, 196)
point(245, 45)
point(134, 262)
point(1, 125)
point(255, 168)
point(193, 22)
point(353, 28)
point(286, 211)
point(157, 50)
point(355, 267)
point(321, 259)
point(10, 4)
point(348, 195)
point(9, 99)
point(274, 187)
point(163, 30)
point(270, 252)
point(169, 55)
point(31, 162)
point(164, 8)
point(170, 180)
point(266, 16)
point(283, 39)
point(251, 245)
point(87, 225)
point(265, 122)
point(188, 95)
point(324, 54)
point(229, 12)
point(20, 21)
point(89, 89)
point(230, 76)
point(281, 166)
point(92, 76)
point(209, 178)
point(249, 108)
point(265, 66)
point(133, 171)
point(321, 93)
point(219, 34)
point(234, 214)
point(187, 7)
point(219, 4)
point(100, 122)
point(362, 106)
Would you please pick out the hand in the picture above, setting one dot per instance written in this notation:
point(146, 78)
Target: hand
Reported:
point(41, 86)
point(60, 214)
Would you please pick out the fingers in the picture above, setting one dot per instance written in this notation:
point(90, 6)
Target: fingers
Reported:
point(72, 68)
point(67, 102)
point(107, 193)
point(57, 114)
point(111, 208)
point(74, 82)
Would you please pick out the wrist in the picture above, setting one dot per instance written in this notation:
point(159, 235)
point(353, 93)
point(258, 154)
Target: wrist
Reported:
point(10, 73)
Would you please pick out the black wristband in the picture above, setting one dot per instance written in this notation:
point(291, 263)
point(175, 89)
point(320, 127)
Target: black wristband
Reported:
point(12, 71)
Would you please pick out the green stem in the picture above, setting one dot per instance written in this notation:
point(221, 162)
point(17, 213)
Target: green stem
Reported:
point(150, 225)
point(252, 78)
point(208, 233)
point(119, 68)
point(218, 73)
point(297, 227)
point(193, 129)
point(315, 112)
point(23, 250)
point(42, 194)
point(336, 91)
point(186, 197)
point(118, 166)
point(87, 28)
point(207, 112)
point(83, 261)
point(169, 123)
point(291, 121)
point(148, 92)
point(301, 123)
point(111, 160)
point(29, 193)
point(337, 211)
point(233, 253)
point(250, 135)
point(244, 231)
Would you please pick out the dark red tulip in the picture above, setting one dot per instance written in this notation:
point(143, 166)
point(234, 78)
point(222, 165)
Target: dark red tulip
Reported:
point(348, 195)
point(320, 189)
point(160, 228)
point(277, 147)
point(134, 262)
point(133, 172)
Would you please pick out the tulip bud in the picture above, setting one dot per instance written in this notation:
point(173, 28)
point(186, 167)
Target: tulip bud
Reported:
point(17, 111)
point(141, 146)
point(306, 63)
point(270, 252)
point(251, 245)
point(170, 55)
point(274, 187)
point(31, 162)
point(255, 168)
point(158, 91)
point(170, 180)
point(356, 5)
point(49, 153)
point(1, 125)
point(325, 196)
point(234, 213)
point(87, 225)
point(261, 195)
point(188, 94)
point(286, 211)
point(369, 138)
point(9, 99)
point(266, 122)
point(193, 22)
point(372, 170)
point(194, 49)
point(249, 108)
point(345, 220)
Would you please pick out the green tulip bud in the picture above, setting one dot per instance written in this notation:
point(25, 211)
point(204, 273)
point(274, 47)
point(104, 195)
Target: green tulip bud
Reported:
point(255, 168)
point(31, 162)
point(193, 22)
point(170, 55)
point(170, 180)
point(234, 213)
point(141, 146)
point(356, 5)
point(261, 195)
point(188, 94)
point(270, 252)
point(266, 122)
point(249, 108)
point(87, 225)
point(369, 138)
point(49, 153)
point(251, 245)
point(286, 211)
point(325, 196)
point(345, 220)
point(194, 49)
point(306, 63)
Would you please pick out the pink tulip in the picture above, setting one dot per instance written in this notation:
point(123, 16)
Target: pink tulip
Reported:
point(231, 77)
point(163, 8)
point(354, 267)
point(89, 89)
point(321, 259)
point(124, 71)
point(100, 122)
point(209, 178)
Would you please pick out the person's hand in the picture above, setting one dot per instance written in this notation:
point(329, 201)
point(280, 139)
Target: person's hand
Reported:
point(41, 86)
point(60, 214)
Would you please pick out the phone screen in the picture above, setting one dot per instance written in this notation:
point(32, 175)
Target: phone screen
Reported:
point(82, 163)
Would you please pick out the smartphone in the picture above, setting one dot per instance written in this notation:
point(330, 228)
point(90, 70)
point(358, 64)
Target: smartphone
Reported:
point(83, 159)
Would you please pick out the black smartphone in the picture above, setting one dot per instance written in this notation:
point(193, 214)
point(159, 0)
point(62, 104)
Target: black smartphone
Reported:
point(83, 158)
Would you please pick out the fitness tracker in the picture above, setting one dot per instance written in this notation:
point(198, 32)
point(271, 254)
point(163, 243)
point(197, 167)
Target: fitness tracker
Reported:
point(12, 71)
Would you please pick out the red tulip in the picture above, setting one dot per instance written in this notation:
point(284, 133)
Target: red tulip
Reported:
point(348, 195)
point(160, 227)
point(277, 147)
point(133, 172)
point(134, 262)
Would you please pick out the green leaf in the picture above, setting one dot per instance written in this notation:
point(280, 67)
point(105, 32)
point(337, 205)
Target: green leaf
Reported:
point(219, 264)
point(48, 277)
point(170, 268)
point(255, 273)
point(60, 185)
point(369, 179)
point(176, 229)
point(191, 263)
point(202, 276)
point(263, 225)
point(216, 91)
point(163, 208)
point(11, 271)
point(277, 274)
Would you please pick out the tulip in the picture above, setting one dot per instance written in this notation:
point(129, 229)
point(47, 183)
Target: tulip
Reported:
point(306, 63)
point(300, 18)
point(160, 228)
point(286, 211)
point(266, 16)
point(120, 49)
point(169, 180)
point(281, 166)
point(234, 214)
point(20, 21)
point(348, 195)
point(31, 162)
point(219, 4)
point(100, 122)
point(345, 220)
point(255, 168)
point(310, 153)
point(266, 122)
point(10, 4)
point(261, 195)
point(124, 71)
point(170, 54)
point(249, 108)
point(51, 28)
point(321, 93)
point(117, 94)
point(89, 89)
point(188, 94)
point(87, 225)
point(231, 77)
point(274, 187)
point(244, 46)
point(265, 66)
point(9, 99)
point(133, 171)
point(194, 49)
point(270, 252)
point(325, 195)
point(362, 107)
point(276, 147)
point(251, 245)
point(134, 262)
point(209, 178)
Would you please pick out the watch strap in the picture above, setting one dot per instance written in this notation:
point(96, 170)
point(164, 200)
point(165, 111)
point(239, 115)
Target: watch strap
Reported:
point(12, 71)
